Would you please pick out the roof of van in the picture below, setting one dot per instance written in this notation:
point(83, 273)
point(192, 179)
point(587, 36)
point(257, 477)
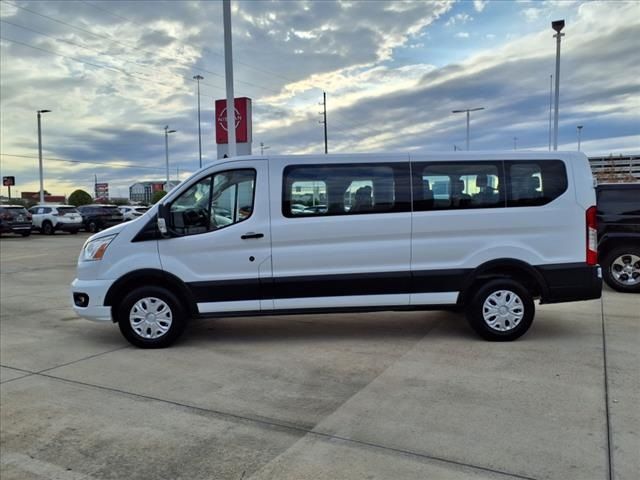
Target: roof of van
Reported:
point(443, 155)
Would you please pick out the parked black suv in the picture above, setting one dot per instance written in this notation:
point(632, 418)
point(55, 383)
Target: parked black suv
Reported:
point(15, 219)
point(619, 235)
point(98, 217)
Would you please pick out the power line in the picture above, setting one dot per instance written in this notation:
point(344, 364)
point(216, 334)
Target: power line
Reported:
point(107, 67)
point(219, 54)
point(132, 47)
point(94, 50)
point(108, 164)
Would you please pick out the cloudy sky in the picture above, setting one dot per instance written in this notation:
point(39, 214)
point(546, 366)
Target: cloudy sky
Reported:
point(116, 72)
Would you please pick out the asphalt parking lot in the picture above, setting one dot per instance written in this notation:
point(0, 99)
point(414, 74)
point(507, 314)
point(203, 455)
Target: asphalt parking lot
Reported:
point(366, 396)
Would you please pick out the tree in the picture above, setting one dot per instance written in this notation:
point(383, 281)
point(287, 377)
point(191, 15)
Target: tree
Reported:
point(80, 197)
point(157, 196)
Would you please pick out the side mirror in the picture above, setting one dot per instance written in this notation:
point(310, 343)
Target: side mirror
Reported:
point(163, 215)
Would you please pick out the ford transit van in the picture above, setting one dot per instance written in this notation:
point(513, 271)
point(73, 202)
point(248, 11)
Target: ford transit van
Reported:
point(487, 233)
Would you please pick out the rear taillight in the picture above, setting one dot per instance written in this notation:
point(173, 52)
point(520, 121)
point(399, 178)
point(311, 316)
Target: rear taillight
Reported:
point(29, 216)
point(592, 236)
point(5, 216)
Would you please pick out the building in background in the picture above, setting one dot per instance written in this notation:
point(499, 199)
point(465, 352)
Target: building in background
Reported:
point(143, 191)
point(35, 197)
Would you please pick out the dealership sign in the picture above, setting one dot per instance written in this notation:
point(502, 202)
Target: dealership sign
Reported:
point(242, 121)
point(8, 181)
point(102, 190)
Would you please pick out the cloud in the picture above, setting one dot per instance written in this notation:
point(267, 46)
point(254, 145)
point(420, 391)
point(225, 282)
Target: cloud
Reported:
point(479, 5)
point(462, 34)
point(458, 19)
point(113, 90)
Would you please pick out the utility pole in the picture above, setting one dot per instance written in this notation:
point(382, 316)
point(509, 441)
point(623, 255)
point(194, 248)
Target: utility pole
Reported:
point(40, 112)
point(515, 143)
point(324, 120)
point(95, 185)
point(228, 71)
point(557, 25)
point(263, 147)
point(197, 78)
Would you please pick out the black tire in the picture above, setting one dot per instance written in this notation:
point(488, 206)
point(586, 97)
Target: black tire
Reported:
point(73, 232)
point(524, 307)
point(177, 310)
point(93, 227)
point(25, 234)
point(47, 228)
point(624, 251)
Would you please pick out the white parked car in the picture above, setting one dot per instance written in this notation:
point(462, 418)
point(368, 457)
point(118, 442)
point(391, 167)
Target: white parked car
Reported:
point(484, 232)
point(51, 218)
point(131, 212)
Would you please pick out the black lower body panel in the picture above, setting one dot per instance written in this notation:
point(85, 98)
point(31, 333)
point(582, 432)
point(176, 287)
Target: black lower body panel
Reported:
point(571, 282)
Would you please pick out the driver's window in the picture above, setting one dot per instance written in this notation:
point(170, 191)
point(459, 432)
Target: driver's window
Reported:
point(190, 211)
point(214, 202)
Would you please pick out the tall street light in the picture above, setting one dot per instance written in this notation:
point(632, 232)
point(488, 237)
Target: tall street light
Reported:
point(263, 147)
point(579, 127)
point(40, 112)
point(228, 74)
point(467, 110)
point(557, 25)
point(166, 152)
point(515, 143)
point(197, 78)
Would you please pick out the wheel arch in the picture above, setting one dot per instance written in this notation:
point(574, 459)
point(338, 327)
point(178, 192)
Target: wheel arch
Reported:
point(510, 268)
point(151, 277)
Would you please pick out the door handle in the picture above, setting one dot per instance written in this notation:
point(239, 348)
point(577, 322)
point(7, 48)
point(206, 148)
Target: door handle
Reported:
point(251, 235)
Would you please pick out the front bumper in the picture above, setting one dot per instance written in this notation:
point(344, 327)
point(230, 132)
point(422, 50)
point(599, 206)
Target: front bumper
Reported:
point(96, 290)
point(571, 282)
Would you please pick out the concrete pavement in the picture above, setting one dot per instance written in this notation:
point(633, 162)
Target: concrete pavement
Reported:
point(381, 396)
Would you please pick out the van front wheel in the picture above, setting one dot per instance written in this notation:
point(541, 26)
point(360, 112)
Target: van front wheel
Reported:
point(151, 317)
point(501, 310)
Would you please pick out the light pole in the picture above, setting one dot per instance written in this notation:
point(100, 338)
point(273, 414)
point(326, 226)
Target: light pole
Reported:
point(166, 152)
point(197, 78)
point(40, 112)
point(579, 127)
point(228, 74)
point(263, 147)
point(515, 143)
point(467, 110)
point(557, 25)
point(550, 106)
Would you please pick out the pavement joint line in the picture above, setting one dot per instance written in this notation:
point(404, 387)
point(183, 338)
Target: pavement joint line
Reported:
point(39, 372)
point(265, 421)
point(606, 392)
point(273, 423)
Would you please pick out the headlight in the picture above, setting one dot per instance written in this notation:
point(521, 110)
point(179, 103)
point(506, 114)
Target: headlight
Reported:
point(95, 249)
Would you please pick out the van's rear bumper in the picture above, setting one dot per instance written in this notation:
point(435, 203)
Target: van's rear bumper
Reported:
point(571, 282)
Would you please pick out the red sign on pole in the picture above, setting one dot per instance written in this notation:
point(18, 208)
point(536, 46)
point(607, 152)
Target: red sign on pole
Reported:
point(243, 120)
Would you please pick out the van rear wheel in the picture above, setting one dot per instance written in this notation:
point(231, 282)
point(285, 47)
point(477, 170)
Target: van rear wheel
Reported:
point(151, 317)
point(502, 310)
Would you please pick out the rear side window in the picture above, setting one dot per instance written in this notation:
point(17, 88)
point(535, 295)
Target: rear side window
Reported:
point(619, 202)
point(533, 183)
point(65, 210)
point(458, 185)
point(345, 189)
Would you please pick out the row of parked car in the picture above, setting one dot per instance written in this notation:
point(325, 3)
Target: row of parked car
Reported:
point(48, 219)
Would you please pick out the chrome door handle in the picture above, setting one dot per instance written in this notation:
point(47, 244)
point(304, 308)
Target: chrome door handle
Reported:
point(251, 235)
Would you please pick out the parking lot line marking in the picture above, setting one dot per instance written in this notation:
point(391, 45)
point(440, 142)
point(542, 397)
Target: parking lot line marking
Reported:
point(606, 392)
point(22, 257)
point(40, 467)
point(273, 423)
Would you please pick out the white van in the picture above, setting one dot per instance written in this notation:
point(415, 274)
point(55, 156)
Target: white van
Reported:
point(487, 232)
